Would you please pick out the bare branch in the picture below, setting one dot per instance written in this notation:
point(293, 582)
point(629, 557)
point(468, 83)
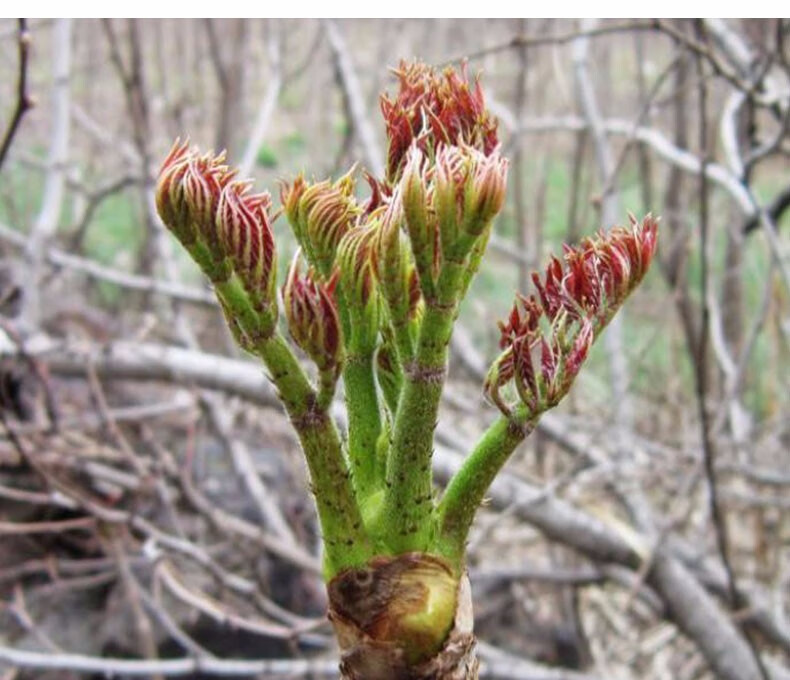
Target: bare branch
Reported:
point(773, 211)
point(47, 221)
point(356, 100)
point(24, 102)
point(558, 39)
point(169, 667)
point(266, 109)
point(495, 665)
point(100, 272)
point(685, 160)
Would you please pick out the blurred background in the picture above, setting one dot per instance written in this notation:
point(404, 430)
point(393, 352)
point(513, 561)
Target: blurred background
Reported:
point(153, 502)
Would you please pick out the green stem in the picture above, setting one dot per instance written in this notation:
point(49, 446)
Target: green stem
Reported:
point(391, 386)
point(408, 504)
point(364, 422)
point(327, 382)
point(345, 539)
point(346, 542)
point(468, 487)
point(253, 323)
point(403, 340)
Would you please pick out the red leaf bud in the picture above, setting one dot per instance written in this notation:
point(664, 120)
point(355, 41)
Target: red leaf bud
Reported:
point(576, 297)
point(312, 316)
point(434, 108)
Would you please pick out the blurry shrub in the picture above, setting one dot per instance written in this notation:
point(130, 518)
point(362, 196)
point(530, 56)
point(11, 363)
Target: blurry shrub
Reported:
point(267, 157)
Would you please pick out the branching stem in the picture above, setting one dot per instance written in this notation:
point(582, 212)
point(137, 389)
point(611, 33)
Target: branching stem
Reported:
point(345, 538)
point(409, 497)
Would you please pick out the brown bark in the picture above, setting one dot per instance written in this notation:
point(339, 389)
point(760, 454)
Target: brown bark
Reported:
point(391, 623)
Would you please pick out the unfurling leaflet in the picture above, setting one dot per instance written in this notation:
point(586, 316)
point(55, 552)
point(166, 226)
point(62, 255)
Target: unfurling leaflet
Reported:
point(547, 335)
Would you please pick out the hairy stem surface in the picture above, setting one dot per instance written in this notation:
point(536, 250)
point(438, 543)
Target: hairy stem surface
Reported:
point(468, 487)
point(345, 538)
point(409, 499)
point(364, 423)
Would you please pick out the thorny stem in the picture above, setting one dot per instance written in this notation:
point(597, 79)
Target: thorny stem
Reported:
point(465, 493)
point(390, 376)
point(345, 538)
point(409, 496)
point(361, 398)
point(403, 340)
point(346, 542)
point(364, 422)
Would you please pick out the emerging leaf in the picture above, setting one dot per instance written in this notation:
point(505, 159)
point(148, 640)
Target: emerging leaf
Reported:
point(312, 315)
point(357, 262)
point(188, 193)
point(434, 108)
point(320, 215)
point(222, 225)
point(547, 338)
point(246, 235)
